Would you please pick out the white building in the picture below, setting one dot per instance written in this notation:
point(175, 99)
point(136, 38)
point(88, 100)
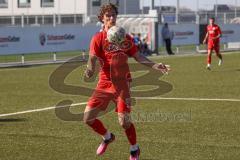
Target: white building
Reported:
point(14, 12)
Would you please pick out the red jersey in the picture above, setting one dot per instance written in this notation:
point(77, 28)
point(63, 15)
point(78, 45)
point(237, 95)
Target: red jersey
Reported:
point(213, 31)
point(113, 58)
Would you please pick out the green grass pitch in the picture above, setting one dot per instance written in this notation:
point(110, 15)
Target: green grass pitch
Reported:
point(167, 129)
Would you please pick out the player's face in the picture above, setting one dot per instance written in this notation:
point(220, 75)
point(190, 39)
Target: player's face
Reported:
point(211, 21)
point(109, 19)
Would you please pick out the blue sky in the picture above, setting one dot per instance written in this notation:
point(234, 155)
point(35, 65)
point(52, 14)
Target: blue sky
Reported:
point(192, 4)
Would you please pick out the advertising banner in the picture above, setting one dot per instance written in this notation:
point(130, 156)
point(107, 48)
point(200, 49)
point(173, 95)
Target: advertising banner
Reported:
point(182, 34)
point(18, 40)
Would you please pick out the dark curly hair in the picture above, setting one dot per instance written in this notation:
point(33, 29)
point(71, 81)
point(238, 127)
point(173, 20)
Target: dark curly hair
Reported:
point(106, 8)
point(213, 18)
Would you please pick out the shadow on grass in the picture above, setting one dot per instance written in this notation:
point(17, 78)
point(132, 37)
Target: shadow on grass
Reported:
point(6, 120)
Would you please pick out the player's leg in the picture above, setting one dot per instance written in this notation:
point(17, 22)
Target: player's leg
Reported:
point(128, 126)
point(123, 109)
point(219, 55)
point(211, 46)
point(90, 119)
point(209, 58)
point(97, 103)
point(124, 117)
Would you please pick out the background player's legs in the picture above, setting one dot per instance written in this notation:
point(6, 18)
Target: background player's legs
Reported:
point(219, 55)
point(168, 46)
point(209, 58)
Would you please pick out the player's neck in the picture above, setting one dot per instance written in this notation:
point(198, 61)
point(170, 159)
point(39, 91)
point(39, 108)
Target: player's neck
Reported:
point(106, 28)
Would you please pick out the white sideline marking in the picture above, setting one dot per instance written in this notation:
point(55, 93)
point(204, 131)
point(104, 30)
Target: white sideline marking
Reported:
point(41, 109)
point(190, 99)
point(146, 98)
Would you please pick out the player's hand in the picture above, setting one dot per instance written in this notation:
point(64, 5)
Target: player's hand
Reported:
point(162, 67)
point(88, 73)
point(204, 41)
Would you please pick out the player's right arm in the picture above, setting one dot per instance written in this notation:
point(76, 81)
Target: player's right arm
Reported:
point(91, 65)
point(93, 52)
point(205, 38)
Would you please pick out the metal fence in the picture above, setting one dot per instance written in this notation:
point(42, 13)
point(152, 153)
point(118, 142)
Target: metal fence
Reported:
point(198, 18)
point(36, 20)
point(170, 17)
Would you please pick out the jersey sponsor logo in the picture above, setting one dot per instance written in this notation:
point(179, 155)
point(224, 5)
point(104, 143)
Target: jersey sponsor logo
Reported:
point(211, 32)
point(112, 47)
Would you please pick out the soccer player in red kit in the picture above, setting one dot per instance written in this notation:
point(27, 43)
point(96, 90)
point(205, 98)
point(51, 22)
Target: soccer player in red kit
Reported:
point(114, 78)
point(213, 36)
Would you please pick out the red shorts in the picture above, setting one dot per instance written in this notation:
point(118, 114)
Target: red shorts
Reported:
point(214, 46)
point(107, 91)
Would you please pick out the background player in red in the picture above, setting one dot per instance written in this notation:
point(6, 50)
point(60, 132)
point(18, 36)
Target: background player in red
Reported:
point(213, 36)
point(114, 78)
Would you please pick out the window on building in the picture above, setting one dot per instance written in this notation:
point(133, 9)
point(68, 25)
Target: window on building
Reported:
point(24, 3)
point(5, 20)
point(47, 3)
point(96, 3)
point(3, 3)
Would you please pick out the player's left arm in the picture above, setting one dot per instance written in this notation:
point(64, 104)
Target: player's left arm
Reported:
point(205, 38)
point(147, 62)
point(218, 36)
point(219, 33)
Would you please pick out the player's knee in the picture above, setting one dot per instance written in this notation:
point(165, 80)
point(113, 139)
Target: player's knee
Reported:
point(87, 120)
point(125, 123)
point(90, 115)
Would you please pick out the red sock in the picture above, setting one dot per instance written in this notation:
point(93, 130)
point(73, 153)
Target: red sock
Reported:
point(98, 127)
point(131, 135)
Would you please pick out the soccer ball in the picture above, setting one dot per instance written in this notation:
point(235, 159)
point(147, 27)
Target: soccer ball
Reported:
point(116, 35)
